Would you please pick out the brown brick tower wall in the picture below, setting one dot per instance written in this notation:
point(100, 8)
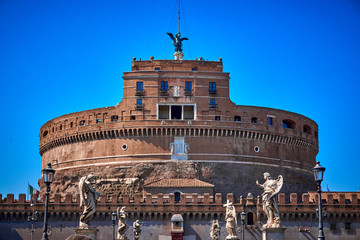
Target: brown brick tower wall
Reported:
point(228, 145)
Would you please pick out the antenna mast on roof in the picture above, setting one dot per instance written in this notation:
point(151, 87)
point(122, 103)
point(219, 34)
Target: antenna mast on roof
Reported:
point(177, 40)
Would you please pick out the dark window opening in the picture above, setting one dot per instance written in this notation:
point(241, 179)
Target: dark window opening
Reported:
point(177, 196)
point(98, 120)
point(132, 117)
point(193, 69)
point(348, 226)
point(45, 133)
point(114, 118)
point(288, 124)
point(175, 112)
point(237, 119)
point(254, 120)
point(164, 86)
point(60, 127)
point(139, 86)
point(157, 69)
point(163, 112)
point(217, 118)
point(307, 129)
point(212, 87)
point(71, 124)
point(333, 226)
point(270, 121)
point(82, 123)
point(250, 218)
point(316, 134)
point(139, 101)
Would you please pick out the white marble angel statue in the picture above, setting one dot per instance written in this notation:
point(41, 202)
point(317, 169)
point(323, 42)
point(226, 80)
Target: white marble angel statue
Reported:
point(122, 224)
point(269, 198)
point(231, 221)
point(88, 198)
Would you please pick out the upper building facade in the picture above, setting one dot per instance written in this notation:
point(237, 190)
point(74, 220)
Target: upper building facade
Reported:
point(176, 120)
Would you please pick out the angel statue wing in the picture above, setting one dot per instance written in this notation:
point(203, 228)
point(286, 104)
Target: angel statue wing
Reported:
point(82, 190)
point(172, 36)
point(279, 183)
point(184, 39)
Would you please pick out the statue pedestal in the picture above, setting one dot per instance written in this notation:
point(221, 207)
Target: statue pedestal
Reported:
point(273, 233)
point(91, 232)
point(178, 55)
point(232, 238)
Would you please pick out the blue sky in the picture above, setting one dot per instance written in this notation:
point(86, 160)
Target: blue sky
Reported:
point(58, 57)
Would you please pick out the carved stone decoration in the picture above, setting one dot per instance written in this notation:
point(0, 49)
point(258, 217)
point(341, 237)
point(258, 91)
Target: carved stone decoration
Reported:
point(137, 230)
point(215, 230)
point(122, 224)
point(231, 221)
point(179, 149)
point(270, 205)
point(88, 198)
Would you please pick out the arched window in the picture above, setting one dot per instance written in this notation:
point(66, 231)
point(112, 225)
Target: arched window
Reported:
point(254, 120)
point(237, 119)
point(307, 129)
point(288, 124)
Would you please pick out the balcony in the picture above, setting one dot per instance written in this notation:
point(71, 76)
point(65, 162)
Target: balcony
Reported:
point(139, 107)
point(140, 93)
point(188, 93)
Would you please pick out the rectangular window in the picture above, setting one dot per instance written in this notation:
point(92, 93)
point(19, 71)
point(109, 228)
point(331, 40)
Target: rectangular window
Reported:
point(139, 86)
point(212, 87)
point(157, 69)
point(139, 101)
point(188, 86)
point(348, 226)
point(270, 121)
point(212, 102)
point(164, 86)
point(217, 118)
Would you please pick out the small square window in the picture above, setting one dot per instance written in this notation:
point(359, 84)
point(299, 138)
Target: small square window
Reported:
point(139, 101)
point(164, 86)
point(188, 86)
point(132, 117)
point(212, 87)
point(212, 102)
point(270, 121)
point(98, 120)
point(82, 123)
point(254, 120)
point(237, 119)
point(139, 86)
point(114, 118)
point(217, 118)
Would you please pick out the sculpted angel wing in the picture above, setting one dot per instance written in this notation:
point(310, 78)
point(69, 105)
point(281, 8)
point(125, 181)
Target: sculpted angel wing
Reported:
point(171, 35)
point(279, 184)
point(82, 190)
point(184, 39)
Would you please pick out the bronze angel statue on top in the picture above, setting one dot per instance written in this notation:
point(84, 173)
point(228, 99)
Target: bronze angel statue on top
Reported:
point(177, 41)
point(270, 205)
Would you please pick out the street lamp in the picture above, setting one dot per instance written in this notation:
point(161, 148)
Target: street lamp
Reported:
point(33, 218)
point(319, 174)
point(48, 174)
point(113, 218)
point(242, 217)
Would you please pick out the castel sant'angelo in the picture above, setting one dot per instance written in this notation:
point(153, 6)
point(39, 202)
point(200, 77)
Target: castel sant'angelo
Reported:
point(176, 121)
point(174, 151)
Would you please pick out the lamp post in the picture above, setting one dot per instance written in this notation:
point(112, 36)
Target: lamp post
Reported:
point(33, 218)
point(48, 174)
point(242, 217)
point(113, 218)
point(319, 174)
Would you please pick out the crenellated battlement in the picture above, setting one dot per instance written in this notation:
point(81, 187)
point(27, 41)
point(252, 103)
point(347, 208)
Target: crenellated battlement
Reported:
point(162, 206)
